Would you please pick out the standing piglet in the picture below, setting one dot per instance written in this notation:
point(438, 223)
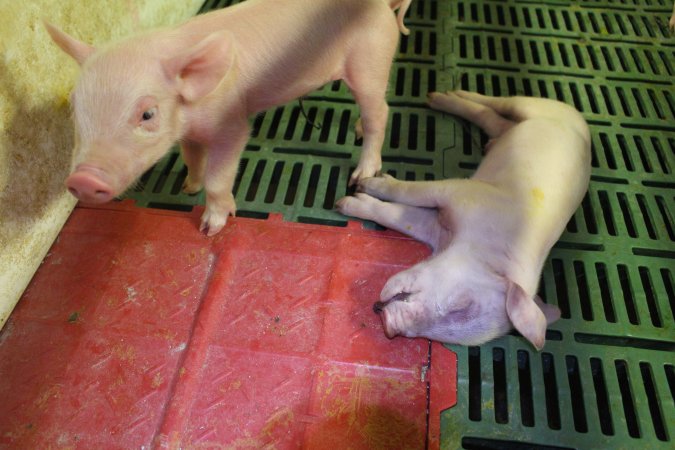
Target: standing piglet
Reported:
point(199, 83)
point(490, 234)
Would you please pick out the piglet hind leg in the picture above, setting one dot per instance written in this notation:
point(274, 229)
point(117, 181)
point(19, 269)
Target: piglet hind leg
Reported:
point(373, 123)
point(465, 105)
point(358, 129)
point(497, 114)
point(194, 156)
point(367, 75)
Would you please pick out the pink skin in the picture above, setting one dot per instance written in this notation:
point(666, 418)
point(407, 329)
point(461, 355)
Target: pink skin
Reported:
point(202, 80)
point(490, 234)
point(86, 183)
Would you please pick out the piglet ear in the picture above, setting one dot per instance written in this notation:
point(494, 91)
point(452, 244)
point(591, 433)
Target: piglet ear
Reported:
point(529, 315)
point(78, 50)
point(551, 312)
point(199, 69)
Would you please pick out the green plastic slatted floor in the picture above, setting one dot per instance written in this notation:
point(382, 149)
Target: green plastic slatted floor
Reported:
point(606, 378)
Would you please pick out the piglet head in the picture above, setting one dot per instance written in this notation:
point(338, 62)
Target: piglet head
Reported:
point(461, 307)
point(129, 105)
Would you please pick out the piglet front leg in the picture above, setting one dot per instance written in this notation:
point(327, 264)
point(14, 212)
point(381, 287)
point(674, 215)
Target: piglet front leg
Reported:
point(419, 223)
point(221, 171)
point(219, 205)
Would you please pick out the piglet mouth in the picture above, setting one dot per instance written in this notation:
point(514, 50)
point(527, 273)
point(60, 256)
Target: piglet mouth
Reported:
point(380, 308)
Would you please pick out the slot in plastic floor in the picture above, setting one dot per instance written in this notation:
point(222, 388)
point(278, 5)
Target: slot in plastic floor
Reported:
point(138, 332)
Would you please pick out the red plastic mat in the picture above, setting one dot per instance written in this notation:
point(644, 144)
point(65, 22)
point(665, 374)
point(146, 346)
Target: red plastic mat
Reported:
point(139, 332)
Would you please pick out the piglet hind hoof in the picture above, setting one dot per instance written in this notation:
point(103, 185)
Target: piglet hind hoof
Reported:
point(191, 191)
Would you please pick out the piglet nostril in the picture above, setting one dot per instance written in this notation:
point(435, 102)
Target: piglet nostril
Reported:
point(74, 191)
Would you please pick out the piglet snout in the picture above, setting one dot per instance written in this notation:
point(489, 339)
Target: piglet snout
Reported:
point(389, 330)
point(86, 183)
point(380, 308)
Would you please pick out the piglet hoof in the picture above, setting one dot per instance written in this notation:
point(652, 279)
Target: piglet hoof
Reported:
point(354, 180)
point(350, 206)
point(209, 229)
point(443, 101)
point(191, 191)
point(212, 223)
point(433, 99)
point(204, 228)
point(358, 129)
point(378, 307)
point(340, 205)
point(377, 186)
point(361, 174)
point(358, 205)
point(191, 187)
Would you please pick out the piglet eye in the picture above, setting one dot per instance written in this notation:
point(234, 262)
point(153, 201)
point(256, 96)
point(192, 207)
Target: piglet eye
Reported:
point(149, 114)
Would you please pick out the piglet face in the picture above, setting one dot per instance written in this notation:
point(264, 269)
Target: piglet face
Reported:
point(433, 301)
point(124, 123)
point(129, 103)
point(455, 298)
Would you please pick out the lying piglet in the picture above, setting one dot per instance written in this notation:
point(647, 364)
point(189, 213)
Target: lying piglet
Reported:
point(201, 81)
point(490, 234)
